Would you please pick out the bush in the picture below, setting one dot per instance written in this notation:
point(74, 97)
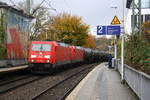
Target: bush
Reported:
point(3, 51)
point(137, 53)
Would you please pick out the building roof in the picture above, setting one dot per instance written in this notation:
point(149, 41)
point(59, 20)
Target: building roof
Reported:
point(128, 3)
point(17, 11)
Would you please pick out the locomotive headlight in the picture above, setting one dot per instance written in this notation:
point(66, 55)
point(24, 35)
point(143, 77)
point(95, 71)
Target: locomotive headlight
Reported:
point(48, 61)
point(47, 56)
point(33, 56)
point(32, 60)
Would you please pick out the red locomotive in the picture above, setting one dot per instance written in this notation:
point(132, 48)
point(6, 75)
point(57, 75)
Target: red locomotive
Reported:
point(45, 55)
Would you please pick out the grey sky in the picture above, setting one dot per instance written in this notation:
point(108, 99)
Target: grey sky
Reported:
point(93, 12)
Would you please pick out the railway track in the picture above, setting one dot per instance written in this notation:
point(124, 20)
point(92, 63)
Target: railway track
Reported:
point(62, 82)
point(70, 89)
point(79, 75)
point(14, 84)
point(13, 80)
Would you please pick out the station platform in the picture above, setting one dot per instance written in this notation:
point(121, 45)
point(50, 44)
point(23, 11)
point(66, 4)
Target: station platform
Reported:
point(10, 69)
point(102, 83)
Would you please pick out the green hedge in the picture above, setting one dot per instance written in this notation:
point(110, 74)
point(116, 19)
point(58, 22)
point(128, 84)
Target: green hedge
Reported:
point(137, 52)
point(3, 52)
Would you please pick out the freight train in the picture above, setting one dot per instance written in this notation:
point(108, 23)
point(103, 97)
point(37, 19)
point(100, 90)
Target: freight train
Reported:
point(44, 56)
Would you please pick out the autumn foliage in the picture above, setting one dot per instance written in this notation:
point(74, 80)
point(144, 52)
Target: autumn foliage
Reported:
point(104, 43)
point(68, 29)
point(146, 30)
point(137, 49)
point(90, 42)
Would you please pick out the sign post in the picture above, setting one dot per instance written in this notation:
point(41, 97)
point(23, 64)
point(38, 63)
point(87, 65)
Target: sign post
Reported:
point(115, 21)
point(122, 48)
point(122, 58)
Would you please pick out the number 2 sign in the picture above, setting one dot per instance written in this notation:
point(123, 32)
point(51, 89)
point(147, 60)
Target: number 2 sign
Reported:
point(101, 30)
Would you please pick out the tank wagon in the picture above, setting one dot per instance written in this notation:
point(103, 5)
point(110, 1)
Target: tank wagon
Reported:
point(14, 30)
point(44, 56)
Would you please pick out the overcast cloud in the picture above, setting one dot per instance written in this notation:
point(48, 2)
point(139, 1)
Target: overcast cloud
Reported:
point(93, 12)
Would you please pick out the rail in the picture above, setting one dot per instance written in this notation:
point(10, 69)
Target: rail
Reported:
point(4, 89)
point(59, 83)
point(138, 81)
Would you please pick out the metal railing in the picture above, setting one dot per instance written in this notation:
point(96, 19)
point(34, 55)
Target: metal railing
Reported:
point(138, 81)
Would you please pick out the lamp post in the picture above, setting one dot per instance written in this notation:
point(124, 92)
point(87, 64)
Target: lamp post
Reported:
point(28, 6)
point(122, 46)
point(114, 7)
point(115, 41)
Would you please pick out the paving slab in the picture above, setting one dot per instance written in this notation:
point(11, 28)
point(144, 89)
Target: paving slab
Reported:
point(102, 83)
point(13, 68)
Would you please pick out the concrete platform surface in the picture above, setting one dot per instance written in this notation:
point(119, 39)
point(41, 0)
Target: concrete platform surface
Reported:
point(13, 68)
point(102, 84)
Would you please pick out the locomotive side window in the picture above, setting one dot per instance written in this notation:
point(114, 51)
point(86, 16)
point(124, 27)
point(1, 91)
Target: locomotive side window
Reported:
point(41, 47)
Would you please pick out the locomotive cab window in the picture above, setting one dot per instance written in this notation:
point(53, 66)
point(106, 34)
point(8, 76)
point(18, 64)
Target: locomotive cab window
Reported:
point(41, 47)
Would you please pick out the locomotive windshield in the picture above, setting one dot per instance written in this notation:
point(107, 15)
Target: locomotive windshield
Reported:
point(41, 47)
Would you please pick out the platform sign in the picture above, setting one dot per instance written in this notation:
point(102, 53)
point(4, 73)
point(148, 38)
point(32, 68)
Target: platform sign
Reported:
point(108, 30)
point(101, 30)
point(113, 30)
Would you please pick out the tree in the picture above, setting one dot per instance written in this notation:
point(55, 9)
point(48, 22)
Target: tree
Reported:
point(40, 23)
point(103, 43)
point(90, 42)
point(137, 49)
point(2, 38)
point(41, 16)
point(66, 28)
point(146, 30)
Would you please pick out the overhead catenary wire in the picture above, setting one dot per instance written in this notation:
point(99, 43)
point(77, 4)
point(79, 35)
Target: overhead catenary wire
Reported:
point(38, 7)
point(14, 4)
point(49, 4)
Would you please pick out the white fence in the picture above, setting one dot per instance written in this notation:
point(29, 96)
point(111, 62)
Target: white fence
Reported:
point(138, 81)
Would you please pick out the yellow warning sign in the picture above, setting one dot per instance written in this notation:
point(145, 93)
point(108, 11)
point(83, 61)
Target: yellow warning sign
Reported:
point(115, 21)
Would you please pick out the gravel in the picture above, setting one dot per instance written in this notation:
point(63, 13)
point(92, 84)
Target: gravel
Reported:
point(30, 90)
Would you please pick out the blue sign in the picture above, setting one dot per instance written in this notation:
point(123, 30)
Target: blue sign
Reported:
point(113, 30)
point(101, 30)
point(108, 30)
